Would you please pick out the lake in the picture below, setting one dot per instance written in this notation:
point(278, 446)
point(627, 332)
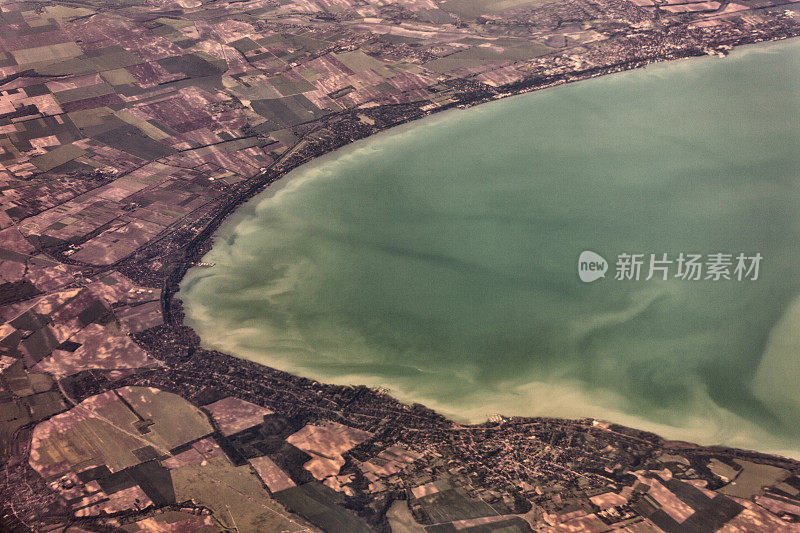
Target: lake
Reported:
point(440, 259)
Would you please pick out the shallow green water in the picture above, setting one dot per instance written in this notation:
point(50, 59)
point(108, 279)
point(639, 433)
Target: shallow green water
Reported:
point(440, 259)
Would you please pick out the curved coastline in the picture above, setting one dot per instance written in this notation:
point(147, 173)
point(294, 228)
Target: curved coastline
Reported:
point(287, 179)
point(271, 183)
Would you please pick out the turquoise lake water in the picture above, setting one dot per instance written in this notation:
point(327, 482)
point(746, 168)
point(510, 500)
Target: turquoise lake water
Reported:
point(440, 259)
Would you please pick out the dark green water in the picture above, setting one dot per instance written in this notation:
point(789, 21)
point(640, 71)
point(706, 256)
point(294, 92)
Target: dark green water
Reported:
point(440, 259)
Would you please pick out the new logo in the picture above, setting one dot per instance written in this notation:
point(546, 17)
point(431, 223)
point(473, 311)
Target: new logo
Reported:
point(591, 266)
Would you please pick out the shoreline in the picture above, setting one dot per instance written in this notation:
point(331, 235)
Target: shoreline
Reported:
point(274, 174)
point(286, 180)
point(275, 179)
